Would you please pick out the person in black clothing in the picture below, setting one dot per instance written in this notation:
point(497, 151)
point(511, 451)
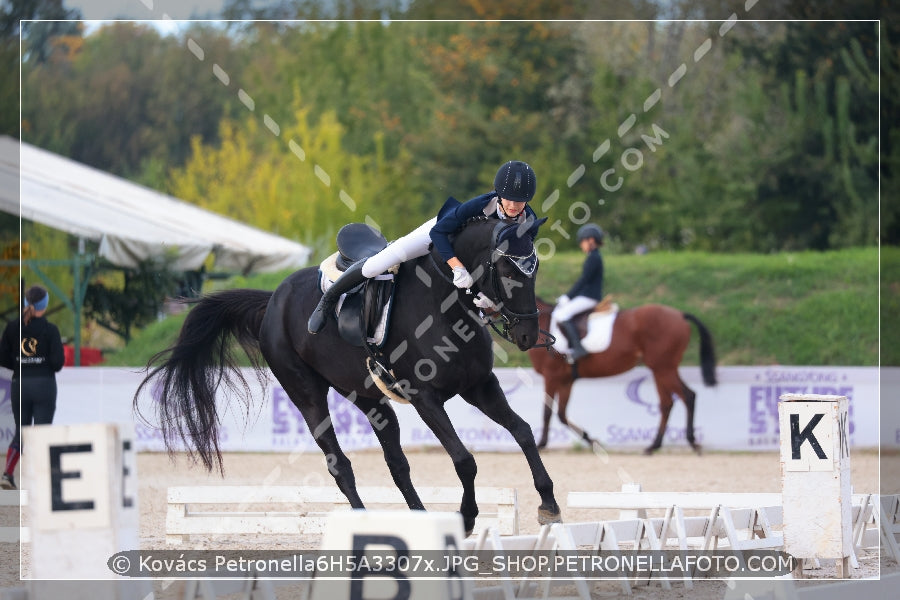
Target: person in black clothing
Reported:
point(32, 348)
point(586, 293)
point(514, 185)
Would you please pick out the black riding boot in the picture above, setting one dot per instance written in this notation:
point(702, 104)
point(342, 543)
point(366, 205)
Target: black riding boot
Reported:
point(571, 331)
point(348, 280)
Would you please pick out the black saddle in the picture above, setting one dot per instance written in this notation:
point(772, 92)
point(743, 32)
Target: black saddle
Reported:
point(365, 305)
point(356, 241)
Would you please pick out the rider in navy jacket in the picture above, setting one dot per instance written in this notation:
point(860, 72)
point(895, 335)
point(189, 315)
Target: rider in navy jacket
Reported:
point(514, 185)
point(586, 293)
point(449, 223)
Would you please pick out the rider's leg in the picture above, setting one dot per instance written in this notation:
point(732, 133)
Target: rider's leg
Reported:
point(412, 245)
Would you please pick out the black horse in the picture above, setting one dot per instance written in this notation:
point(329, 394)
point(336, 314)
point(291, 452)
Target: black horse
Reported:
point(438, 347)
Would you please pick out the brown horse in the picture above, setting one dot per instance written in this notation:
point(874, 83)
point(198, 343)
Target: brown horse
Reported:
point(654, 333)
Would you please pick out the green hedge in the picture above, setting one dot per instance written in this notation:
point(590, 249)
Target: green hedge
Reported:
point(807, 308)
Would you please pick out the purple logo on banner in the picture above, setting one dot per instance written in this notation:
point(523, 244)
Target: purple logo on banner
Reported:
point(763, 401)
point(633, 395)
point(289, 426)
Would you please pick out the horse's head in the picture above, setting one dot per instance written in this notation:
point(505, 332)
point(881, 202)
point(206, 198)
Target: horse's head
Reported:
point(503, 262)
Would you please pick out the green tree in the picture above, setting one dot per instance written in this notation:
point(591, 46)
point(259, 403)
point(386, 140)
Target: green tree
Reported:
point(128, 97)
point(122, 300)
point(301, 184)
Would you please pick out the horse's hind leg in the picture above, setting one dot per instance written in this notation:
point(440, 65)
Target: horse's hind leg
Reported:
point(667, 384)
point(549, 398)
point(386, 427)
point(309, 393)
point(690, 398)
point(490, 399)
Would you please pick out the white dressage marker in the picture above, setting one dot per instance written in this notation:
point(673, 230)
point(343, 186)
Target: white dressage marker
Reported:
point(815, 479)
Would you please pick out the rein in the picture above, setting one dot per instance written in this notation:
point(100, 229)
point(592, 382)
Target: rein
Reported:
point(501, 320)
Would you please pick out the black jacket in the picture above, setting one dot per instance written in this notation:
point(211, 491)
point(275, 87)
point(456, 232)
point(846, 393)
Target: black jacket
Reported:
point(590, 283)
point(39, 351)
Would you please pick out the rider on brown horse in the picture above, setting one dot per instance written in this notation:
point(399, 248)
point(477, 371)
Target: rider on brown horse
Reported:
point(587, 291)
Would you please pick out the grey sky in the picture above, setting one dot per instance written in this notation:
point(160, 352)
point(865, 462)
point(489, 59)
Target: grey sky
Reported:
point(145, 9)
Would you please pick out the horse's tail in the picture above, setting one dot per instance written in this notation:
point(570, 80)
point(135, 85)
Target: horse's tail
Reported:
point(186, 376)
point(707, 351)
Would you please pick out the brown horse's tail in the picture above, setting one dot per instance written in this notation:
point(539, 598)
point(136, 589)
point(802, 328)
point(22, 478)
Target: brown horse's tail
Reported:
point(707, 351)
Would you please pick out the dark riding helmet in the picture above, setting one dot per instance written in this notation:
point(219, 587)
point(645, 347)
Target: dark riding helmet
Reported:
point(590, 230)
point(515, 180)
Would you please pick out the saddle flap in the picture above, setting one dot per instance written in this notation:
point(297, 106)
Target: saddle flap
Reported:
point(350, 321)
point(363, 316)
point(356, 241)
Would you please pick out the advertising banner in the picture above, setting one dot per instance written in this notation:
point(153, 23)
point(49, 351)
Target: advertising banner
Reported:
point(738, 414)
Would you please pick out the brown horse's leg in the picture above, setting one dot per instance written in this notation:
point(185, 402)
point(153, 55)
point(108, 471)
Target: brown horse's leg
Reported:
point(666, 385)
point(562, 403)
point(690, 397)
point(549, 394)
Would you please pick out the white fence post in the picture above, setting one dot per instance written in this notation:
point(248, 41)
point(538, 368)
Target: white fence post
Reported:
point(815, 467)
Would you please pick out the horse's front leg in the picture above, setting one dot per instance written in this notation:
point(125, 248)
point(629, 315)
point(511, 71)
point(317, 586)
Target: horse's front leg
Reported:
point(490, 399)
point(435, 417)
point(386, 427)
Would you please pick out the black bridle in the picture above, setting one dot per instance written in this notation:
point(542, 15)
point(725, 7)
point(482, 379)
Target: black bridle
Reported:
point(502, 319)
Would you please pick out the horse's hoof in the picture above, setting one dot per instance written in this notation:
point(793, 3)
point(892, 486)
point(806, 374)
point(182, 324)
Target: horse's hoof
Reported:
point(469, 532)
point(542, 444)
point(698, 449)
point(649, 451)
point(546, 517)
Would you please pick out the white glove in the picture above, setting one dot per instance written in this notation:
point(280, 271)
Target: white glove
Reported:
point(461, 278)
point(562, 299)
point(483, 302)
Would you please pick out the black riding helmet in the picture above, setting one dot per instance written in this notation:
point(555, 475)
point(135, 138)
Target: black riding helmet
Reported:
point(515, 181)
point(590, 230)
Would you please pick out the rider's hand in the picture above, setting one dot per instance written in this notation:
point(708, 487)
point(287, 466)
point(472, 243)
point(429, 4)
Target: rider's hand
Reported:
point(462, 278)
point(483, 302)
point(562, 299)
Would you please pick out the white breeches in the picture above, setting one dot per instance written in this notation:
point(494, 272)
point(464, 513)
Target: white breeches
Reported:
point(564, 312)
point(411, 245)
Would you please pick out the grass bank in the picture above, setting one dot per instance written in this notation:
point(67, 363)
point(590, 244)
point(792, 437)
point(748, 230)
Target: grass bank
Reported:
point(805, 308)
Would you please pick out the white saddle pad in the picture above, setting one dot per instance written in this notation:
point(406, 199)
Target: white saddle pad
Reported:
point(599, 336)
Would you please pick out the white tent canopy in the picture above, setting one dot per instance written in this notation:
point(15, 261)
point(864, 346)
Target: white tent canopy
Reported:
point(132, 223)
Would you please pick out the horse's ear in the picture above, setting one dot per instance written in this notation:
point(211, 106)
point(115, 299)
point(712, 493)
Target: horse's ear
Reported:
point(533, 226)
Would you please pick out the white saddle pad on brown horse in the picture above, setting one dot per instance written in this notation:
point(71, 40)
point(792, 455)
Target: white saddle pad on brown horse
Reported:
point(599, 335)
